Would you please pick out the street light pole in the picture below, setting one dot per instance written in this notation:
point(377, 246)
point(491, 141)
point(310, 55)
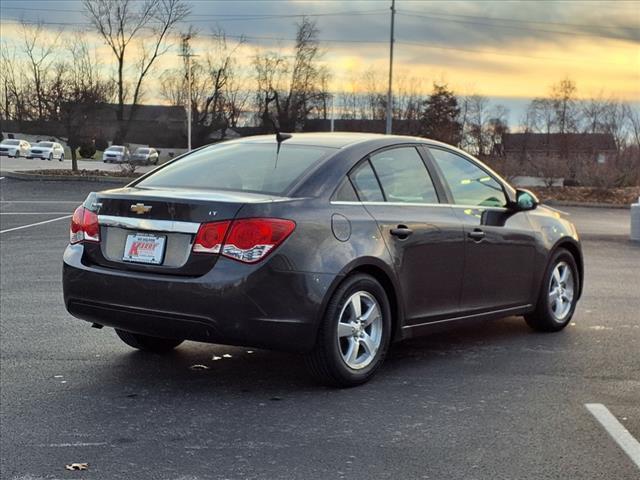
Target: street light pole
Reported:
point(389, 93)
point(186, 54)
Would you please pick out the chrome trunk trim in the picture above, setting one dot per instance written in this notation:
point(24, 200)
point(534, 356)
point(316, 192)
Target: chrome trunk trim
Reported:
point(148, 224)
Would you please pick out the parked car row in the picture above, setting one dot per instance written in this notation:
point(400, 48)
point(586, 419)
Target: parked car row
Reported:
point(21, 148)
point(54, 151)
point(121, 154)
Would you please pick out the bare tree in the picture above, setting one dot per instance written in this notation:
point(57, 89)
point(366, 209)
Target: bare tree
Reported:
point(540, 116)
point(294, 88)
point(40, 54)
point(13, 81)
point(478, 116)
point(563, 98)
point(82, 90)
point(122, 23)
point(633, 118)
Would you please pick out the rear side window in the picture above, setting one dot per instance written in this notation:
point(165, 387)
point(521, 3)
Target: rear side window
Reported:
point(366, 183)
point(248, 167)
point(345, 192)
point(403, 176)
point(469, 184)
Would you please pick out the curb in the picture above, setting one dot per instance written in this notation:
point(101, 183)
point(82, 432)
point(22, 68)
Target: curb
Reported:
point(65, 178)
point(563, 203)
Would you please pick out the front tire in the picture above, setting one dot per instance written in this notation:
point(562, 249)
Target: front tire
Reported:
point(558, 294)
point(354, 335)
point(147, 343)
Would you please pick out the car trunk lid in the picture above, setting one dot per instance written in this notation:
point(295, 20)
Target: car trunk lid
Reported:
point(164, 220)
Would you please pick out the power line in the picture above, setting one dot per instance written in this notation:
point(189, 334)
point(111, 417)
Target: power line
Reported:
point(511, 27)
point(193, 17)
point(514, 20)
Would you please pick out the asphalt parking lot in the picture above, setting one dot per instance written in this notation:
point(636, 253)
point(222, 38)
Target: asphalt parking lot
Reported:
point(488, 401)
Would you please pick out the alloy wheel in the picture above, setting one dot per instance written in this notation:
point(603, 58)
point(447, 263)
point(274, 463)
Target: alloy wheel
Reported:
point(359, 330)
point(561, 291)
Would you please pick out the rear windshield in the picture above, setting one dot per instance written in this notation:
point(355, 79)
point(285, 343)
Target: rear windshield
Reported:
point(11, 142)
point(45, 144)
point(115, 149)
point(248, 167)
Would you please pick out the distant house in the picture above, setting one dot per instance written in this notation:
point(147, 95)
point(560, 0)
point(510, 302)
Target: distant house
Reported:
point(221, 134)
point(157, 125)
point(537, 148)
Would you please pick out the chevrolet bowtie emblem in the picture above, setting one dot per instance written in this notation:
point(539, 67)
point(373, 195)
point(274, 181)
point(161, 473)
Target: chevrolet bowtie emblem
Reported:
point(140, 208)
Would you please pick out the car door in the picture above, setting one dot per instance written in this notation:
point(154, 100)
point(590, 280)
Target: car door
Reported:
point(425, 238)
point(499, 243)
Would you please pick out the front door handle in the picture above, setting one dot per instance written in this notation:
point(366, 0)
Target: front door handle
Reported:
point(476, 234)
point(402, 232)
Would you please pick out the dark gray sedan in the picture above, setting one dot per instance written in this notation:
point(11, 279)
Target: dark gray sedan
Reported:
point(331, 245)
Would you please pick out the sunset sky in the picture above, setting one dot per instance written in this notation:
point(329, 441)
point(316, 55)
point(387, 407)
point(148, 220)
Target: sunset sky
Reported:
point(510, 51)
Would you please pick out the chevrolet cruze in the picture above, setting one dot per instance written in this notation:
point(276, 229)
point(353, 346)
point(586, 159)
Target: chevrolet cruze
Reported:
point(329, 245)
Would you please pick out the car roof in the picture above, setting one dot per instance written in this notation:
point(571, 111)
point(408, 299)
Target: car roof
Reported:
point(331, 139)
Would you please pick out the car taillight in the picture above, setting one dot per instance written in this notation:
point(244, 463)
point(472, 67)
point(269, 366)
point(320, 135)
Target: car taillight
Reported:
point(210, 237)
point(248, 240)
point(84, 226)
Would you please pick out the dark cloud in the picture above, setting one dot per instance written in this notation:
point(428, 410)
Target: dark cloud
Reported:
point(456, 23)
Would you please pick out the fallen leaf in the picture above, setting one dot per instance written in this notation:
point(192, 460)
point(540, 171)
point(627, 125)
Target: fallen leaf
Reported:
point(77, 466)
point(215, 357)
point(226, 355)
point(199, 367)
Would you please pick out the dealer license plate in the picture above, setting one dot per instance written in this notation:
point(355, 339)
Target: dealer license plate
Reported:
point(144, 248)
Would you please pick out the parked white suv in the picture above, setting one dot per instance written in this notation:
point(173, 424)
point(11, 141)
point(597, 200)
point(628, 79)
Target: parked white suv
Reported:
point(46, 151)
point(14, 148)
point(116, 153)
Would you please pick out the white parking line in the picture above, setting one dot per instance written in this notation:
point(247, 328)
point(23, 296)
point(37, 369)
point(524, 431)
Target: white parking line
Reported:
point(617, 431)
point(34, 224)
point(34, 213)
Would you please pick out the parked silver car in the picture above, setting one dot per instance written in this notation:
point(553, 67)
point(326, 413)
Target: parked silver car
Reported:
point(116, 154)
point(145, 156)
point(12, 147)
point(46, 151)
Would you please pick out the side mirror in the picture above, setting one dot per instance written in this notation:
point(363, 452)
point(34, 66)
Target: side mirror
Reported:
point(525, 200)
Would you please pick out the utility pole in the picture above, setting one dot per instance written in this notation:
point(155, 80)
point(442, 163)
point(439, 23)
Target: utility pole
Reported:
point(389, 93)
point(186, 54)
point(332, 114)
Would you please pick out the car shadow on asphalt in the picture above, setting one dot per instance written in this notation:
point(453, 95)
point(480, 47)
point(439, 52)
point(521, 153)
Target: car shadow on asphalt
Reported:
point(197, 367)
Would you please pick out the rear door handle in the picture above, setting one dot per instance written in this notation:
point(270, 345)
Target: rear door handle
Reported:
point(476, 234)
point(402, 232)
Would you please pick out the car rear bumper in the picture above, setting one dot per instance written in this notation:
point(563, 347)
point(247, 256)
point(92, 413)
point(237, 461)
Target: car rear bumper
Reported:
point(234, 303)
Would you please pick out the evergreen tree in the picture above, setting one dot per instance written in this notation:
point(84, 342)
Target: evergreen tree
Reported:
point(439, 119)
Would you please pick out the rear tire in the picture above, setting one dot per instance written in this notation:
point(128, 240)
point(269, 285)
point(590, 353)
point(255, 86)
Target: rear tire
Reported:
point(350, 347)
point(147, 343)
point(558, 294)
point(61, 157)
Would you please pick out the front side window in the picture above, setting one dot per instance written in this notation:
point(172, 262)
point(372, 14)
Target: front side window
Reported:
point(248, 167)
point(403, 176)
point(469, 184)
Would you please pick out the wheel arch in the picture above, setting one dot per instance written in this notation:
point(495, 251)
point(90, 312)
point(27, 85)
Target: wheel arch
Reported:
point(574, 249)
point(375, 269)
